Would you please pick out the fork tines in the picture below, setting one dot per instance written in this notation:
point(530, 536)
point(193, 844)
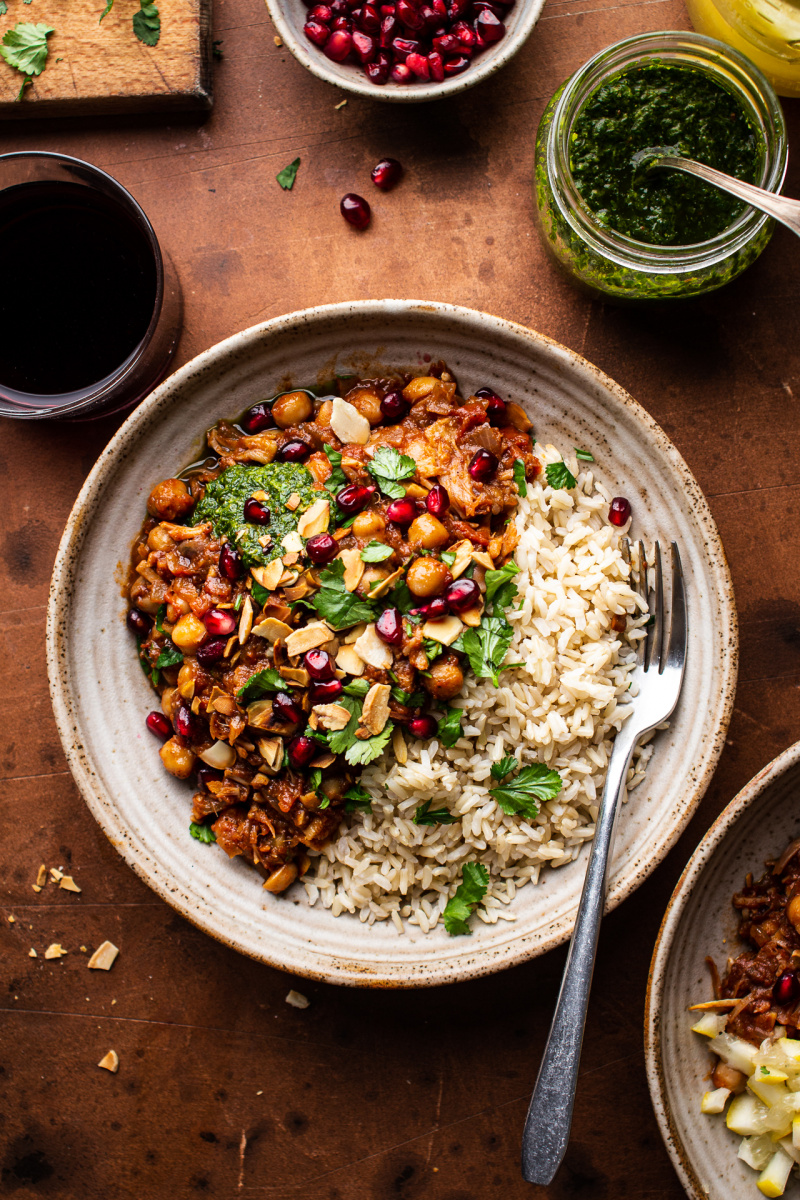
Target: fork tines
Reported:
point(662, 648)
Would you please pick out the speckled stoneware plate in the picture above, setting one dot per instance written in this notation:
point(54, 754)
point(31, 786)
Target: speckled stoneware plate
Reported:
point(757, 824)
point(100, 695)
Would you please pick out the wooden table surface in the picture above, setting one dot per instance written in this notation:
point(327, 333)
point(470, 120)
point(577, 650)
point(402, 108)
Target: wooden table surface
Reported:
point(223, 1089)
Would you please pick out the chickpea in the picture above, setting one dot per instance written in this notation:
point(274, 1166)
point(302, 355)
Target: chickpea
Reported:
point(169, 701)
point(159, 539)
point(368, 524)
point(189, 633)
point(169, 500)
point(428, 577)
point(187, 681)
point(325, 413)
point(280, 879)
point(368, 403)
point(292, 408)
point(793, 911)
point(427, 532)
point(177, 759)
point(446, 677)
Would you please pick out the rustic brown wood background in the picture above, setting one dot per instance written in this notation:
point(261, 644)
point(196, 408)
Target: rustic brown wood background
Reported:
point(223, 1089)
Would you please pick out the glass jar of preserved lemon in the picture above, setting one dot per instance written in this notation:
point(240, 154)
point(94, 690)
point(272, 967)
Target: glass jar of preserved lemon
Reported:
point(767, 31)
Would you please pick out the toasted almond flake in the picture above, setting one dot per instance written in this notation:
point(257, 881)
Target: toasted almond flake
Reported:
point(290, 559)
point(260, 495)
point(472, 617)
point(374, 651)
point(32, 953)
point(331, 716)
point(41, 876)
point(301, 589)
point(68, 884)
point(444, 631)
point(196, 705)
point(221, 701)
point(36, 887)
point(354, 568)
point(83, 949)
point(12, 920)
point(289, 576)
point(297, 999)
point(219, 755)
point(110, 1062)
point(315, 519)
point(483, 559)
point(278, 41)
point(353, 634)
point(271, 750)
point(349, 661)
point(313, 720)
point(317, 633)
point(713, 1004)
point(399, 745)
point(103, 957)
point(259, 713)
point(323, 760)
point(375, 711)
point(55, 874)
point(341, 104)
point(269, 575)
point(264, 541)
point(55, 950)
point(293, 502)
point(292, 541)
point(272, 629)
point(415, 492)
point(383, 586)
point(245, 621)
point(229, 646)
point(348, 424)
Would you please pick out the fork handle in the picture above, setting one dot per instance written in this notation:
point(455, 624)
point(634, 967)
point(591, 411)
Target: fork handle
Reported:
point(547, 1127)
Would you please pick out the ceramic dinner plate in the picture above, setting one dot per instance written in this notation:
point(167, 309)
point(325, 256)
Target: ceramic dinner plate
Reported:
point(100, 695)
point(700, 920)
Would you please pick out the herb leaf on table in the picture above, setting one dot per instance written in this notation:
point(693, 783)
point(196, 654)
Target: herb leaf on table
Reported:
point(469, 893)
point(147, 24)
point(25, 47)
point(287, 176)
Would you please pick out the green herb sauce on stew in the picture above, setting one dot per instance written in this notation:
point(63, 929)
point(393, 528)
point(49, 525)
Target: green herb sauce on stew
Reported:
point(225, 497)
point(662, 106)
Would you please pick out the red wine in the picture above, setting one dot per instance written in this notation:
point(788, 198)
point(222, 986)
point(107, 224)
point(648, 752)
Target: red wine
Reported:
point(79, 287)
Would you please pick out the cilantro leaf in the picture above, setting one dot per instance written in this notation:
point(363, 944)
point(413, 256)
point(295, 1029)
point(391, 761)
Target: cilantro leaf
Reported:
point(450, 727)
point(376, 552)
point(409, 699)
point(432, 648)
point(520, 794)
point(268, 680)
point(147, 24)
point(160, 614)
point(584, 455)
point(170, 656)
point(469, 893)
point(340, 740)
point(504, 767)
point(287, 176)
point(356, 687)
point(357, 797)
point(387, 467)
point(486, 646)
point(25, 47)
point(3, 8)
point(447, 556)
point(337, 478)
point(106, 10)
point(314, 781)
point(335, 604)
point(519, 477)
point(362, 752)
point(203, 833)
point(438, 816)
point(559, 475)
point(260, 594)
point(400, 597)
point(499, 589)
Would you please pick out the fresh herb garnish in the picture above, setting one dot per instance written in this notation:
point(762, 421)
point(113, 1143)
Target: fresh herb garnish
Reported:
point(335, 604)
point(337, 478)
point(400, 597)
point(25, 47)
point(469, 893)
point(362, 752)
point(147, 24)
point(260, 594)
point(376, 552)
point(432, 649)
point(520, 794)
point(268, 680)
point(340, 740)
point(170, 656)
point(357, 797)
point(357, 752)
point(356, 687)
point(387, 467)
point(106, 10)
point(314, 780)
point(584, 455)
point(3, 8)
point(559, 475)
point(448, 556)
point(287, 176)
point(519, 477)
point(224, 500)
point(408, 699)
point(437, 816)
point(500, 591)
point(449, 730)
point(203, 833)
point(504, 767)
point(486, 646)
point(161, 612)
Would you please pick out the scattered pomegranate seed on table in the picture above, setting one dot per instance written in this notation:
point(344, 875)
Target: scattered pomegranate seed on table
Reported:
point(386, 174)
point(355, 210)
point(619, 511)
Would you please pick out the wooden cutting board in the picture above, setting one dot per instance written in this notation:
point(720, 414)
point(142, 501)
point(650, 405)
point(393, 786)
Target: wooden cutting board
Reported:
point(103, 68)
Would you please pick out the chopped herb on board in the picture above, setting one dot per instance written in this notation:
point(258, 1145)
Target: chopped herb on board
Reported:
point(469, 894)
point(559, 475)
point(287, 176)
point(25, 47)
point(147, 24)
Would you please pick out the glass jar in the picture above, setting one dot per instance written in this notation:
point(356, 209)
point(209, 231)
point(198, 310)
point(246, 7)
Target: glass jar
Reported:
point(610, 264)
point(767, 31)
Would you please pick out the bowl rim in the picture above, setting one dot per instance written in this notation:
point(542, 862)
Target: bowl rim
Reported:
point(750, 794)
point(312, 58)
point(471, 964)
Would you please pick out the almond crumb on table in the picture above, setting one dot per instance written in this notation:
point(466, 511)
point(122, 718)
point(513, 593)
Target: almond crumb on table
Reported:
point(104, 957)
point(110, 1062)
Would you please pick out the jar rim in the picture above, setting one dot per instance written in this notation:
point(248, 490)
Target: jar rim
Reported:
point(715, 59)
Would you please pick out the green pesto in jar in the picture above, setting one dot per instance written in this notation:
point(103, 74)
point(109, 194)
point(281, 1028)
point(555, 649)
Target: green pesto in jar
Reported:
point(689, 115)
point(225, 497)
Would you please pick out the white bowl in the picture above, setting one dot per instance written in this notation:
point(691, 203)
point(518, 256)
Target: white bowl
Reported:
point(700, 920)
point(100, 695)
point(289, 17)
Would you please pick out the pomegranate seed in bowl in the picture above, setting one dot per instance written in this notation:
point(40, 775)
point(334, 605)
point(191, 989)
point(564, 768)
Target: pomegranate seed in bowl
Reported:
point(260, 415)
point(387, 174)
point(293, 451)
point(437, 501)
point(393, 406)
point(483, 465)
point(338, 46)
point(619, 511)
point(256, 512)
point(355, 210)
point(231, 563)
point(389, 626)
point(322, 548)
point(319, 665)
point(138, 622)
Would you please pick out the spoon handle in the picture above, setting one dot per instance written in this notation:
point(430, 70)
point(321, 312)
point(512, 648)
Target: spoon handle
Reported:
point(780, 207)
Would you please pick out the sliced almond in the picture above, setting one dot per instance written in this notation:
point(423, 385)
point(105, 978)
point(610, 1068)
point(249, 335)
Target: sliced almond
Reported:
point(269, 575)
point(483, 559)
point(331, 716)
point(296, 675)
point(315, 519)
point(301, 589)
point(415, 492)
point(246, 620)
point(444, 631)
point(290, 559)
point(110, 1062)
point(68, 884)
point(41, 876)
point(385, 585)
point(348, 424)
point(231, 642)
point(712, 1004)
point(472, 617)
point(222, 702)
point(293, 502)
point(353, 568)
point(373, 651)
point(32, 953)
point(323, 760)
point(55, 950)
point(55, 874)
point(219, 755)
point(349, 661)
point(260, 495)
point(399, 745)
point(463, 553)
point(375, 712)
point(259, 713)
point(36, 887)
point(308, 638)
point(353, 634)
point(271, 629)
point(292, 541)
point(313, 720)
point(271, 750)
point(297, 999)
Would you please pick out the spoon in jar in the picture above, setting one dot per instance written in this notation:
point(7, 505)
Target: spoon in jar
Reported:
point(780, 207)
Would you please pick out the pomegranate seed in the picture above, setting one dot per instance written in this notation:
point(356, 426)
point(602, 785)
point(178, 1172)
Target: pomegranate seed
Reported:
point(370, 21)
point(402, 512)
point(220, 622)
point(388, 26)
point(462, 594)
point(317, 33)
point(338, 8)
point(207, 775)
point(400, 73)
point(211, 652)
point(256, 513)
point(423, 727)
point(387, 174)
point(786, 989)
point(338, 46)
point(495, 407)
point(437, 501)
point(137, 621)
point(456, 9)
point(483, 463)
point(301, 751)
point(158, 724)
point(409, 15)
point(355, 210)
point(454, 66)
point(260, 415)
point(387, 10)
point(378, 71)
point(403, 47)
point(354, 498)
point(389, 626)
point(364, 46)
point(418, 63)
point(355, 17)
point(430, 19)
point(321, 12)
point(393, 406)
point(436, 65)
point(489, 27)
point(448, 44)
point(434, 610)
point(319, 665)
point(619, 510)
point(464, 33)
point(326, 692)
point(440, 9)
point(342, 23)
point(285, 709)
point(186, 724)
point(293, 451)
point(322, 548)
point(231, 563)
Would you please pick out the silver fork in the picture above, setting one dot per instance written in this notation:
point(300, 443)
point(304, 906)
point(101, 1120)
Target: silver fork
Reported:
point(659, 675)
